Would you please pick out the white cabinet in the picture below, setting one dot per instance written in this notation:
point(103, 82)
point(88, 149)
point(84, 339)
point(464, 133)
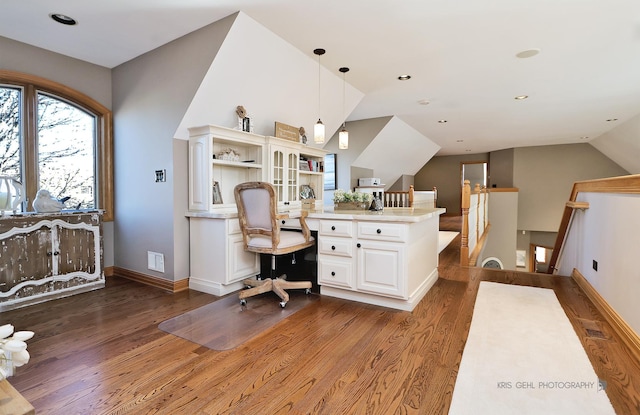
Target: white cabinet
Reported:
point(380, 268)
point(311, 171)
point(219, 159)
point(372, 261)
point(336, 265)
point(50, 256)
point(380, 252)
point(218, 260)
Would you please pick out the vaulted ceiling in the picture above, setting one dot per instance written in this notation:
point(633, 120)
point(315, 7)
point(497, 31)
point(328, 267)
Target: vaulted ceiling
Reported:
point(582, 82)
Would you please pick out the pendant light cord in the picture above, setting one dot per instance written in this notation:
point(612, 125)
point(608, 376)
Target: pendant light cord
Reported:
point(344, 71)
point(319, 52)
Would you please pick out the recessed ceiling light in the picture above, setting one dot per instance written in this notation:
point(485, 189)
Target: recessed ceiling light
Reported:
point(64, 19)
point(442, 121)
point(612, 119)
point(528, 53)
point(467, 150)
point(521, 97)
point(423, 102)
point(404, 77)
point(459, 141)
point(584, 137)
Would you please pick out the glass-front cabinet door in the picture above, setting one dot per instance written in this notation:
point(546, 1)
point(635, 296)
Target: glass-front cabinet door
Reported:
point(284, 173)
point(278, 171)
point(292, 176)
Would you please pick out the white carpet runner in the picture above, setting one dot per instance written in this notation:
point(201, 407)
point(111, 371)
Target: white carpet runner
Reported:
point(522, 356)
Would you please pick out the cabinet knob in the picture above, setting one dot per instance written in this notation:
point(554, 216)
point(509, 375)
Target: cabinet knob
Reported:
point(358, 245)
point(333, 248)
point(56, 253)
point(284, 221)
point(379, 231)
point(48, 253)
point(333, 228)
point(333, 274)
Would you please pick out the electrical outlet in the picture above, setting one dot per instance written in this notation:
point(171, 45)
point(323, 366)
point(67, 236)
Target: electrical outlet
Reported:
point(595, 265)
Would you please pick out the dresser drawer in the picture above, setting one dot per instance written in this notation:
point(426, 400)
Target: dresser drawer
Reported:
point(395, 232)
point(336, 228)
point(335, 246)
point(335, 271)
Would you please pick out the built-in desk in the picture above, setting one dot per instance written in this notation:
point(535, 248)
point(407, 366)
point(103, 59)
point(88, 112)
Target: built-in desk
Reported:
point(387, 258)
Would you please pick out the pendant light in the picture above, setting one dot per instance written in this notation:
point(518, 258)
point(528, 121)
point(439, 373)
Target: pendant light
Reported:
point(318, 129)
point(343, 136)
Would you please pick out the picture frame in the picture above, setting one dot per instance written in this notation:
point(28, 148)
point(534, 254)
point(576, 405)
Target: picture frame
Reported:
point(217, 195)
point(307, 192)
point(287, 132)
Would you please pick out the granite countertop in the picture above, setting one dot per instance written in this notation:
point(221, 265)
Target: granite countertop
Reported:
point(387, 215)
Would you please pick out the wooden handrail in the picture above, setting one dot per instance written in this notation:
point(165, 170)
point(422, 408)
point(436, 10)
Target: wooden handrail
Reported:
point(621, 184)
point(464, 240)
point(482, 224)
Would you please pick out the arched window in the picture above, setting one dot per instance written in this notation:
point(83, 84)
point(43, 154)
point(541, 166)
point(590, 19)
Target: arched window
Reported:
point(56, 138)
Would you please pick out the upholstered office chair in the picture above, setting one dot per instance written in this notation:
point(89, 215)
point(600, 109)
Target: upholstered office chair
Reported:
point(259, 223)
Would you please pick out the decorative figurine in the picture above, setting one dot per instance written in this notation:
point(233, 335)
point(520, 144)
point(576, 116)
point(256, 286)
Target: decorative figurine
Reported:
point(303, 135)
point(44, 203)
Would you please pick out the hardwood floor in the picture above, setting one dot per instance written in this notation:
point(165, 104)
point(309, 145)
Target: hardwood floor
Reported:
point(102, 353)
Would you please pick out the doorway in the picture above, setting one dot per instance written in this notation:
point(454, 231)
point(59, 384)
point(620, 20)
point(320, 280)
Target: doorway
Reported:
point(475, 172)
point(539, 256)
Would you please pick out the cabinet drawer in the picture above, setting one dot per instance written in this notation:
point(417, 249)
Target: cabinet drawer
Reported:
point(290, 223)
point(335, 271)
point(382, 231)
point(336, 228)
point(335, 246)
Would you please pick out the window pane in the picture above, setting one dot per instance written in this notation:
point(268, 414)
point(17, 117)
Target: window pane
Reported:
point(66, 148)
point(10, 164)
point(330, 172)
point(541, 254)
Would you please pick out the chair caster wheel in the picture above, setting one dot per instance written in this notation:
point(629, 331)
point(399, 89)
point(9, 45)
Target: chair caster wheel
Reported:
point(283, 304)
point(307, 291)
point(243, 302)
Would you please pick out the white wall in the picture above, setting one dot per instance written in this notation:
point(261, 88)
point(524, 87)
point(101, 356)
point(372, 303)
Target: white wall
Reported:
point(150, 97)
point(396, 150)
point(622, 145)
point(609, 233)
point(273, 80)
point(361, 133)
point(545, 176)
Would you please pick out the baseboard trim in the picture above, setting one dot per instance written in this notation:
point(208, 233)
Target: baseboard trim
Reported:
point(172, 286)
point(628, 336)
point(108, 271)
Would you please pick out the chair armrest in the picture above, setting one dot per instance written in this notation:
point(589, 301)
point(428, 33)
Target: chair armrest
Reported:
point(280, 216)
point(303, 224)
